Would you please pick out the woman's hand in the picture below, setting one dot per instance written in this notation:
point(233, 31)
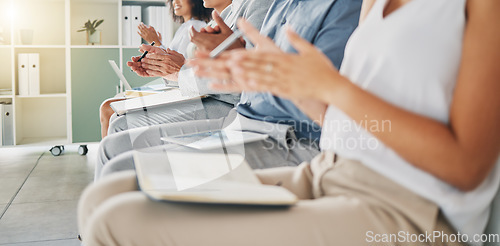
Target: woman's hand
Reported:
point(220, 68)
point(149, 34)
point(296, 76)
point(157, 63)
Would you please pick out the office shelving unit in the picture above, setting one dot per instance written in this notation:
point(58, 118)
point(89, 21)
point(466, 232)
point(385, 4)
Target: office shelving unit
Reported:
point(74, 77)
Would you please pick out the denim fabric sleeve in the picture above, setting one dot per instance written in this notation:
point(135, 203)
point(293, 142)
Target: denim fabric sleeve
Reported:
point(336, 29)
point(255, 14)
point(332, 37)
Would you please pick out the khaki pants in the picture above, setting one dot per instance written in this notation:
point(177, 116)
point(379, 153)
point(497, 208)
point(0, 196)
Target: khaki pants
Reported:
point(343, 203)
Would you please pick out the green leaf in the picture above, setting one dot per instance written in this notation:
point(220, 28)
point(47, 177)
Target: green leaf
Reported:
point(98, 23)
point(90, 26)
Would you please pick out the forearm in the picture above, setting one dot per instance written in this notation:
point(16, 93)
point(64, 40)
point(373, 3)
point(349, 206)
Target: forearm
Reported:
point(314, 109)
point(426, 143)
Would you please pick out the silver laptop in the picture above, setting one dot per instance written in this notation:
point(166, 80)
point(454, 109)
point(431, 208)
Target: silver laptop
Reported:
point(120, 75)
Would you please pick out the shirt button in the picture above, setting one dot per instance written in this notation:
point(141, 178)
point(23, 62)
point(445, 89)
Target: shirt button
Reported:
point(283, 22)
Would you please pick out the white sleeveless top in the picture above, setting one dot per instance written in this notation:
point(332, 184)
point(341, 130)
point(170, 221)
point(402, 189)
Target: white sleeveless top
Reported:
point(182, 39)
point(410, 59)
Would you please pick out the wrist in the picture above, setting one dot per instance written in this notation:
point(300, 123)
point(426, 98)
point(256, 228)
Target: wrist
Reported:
point(336, 92)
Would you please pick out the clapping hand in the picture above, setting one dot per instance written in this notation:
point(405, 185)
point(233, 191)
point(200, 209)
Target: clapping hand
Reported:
point(149, 34)
point(157, 63)
point(220, 68)
point(208, 38)
point(268, 69)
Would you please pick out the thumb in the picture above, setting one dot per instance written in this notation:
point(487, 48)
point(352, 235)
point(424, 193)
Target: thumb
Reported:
point(151, 49)
point(300, 44)
point(145, 47)
point(220, 22)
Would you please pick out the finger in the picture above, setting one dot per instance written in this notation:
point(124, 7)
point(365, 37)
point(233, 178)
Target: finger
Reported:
point(155, 73)
point(173, 52)
point(133, 64)
point(160, 65)
point(253, 34)
point(209, 29)
point(159, 36)
point(158, 57)
point(150, 66)
point(213, 74)
point(301, 45)
point(151, 49)
point(220, 22)
point(200, 38)
point(135, 58)
point(208, 64)
point(193, 32)
point(155, 62)
point(216, 29)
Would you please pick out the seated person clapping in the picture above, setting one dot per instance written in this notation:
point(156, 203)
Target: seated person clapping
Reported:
point(431, 171)
point(192, 14)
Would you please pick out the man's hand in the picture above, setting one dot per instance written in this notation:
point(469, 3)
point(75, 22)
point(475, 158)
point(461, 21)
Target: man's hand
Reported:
point(157, 63)
point(208, 38)
point(222, 68)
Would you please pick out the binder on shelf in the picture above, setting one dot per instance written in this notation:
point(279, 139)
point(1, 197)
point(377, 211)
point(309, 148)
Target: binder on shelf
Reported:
point(126, 25)
point(168, 23)
point(150, 16)
point(23, 63)
point(29, 74)
point(7, 123)
point(163, 19)
point(136, 39)
point(159, 21)
point(34, 74)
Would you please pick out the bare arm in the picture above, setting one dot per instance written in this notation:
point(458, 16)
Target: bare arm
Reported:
point(464, 152)
point(461, 153)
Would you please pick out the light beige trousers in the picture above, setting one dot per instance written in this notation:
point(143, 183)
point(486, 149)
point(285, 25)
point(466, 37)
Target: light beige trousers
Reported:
point(343, 203)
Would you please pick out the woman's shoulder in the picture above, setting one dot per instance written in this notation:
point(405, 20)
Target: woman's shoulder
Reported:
point(197, 24)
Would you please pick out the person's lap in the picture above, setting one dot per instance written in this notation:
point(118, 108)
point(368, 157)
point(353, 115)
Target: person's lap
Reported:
point(148, 136)
point(259, 155)
point(282, 150)
point(197, 109)
point(343, 215)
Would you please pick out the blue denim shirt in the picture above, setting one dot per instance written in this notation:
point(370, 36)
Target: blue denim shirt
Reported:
point(327, 24)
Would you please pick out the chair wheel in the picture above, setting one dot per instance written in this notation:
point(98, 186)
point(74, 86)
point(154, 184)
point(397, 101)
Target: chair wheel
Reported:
point(83, 150)
point(56, 150)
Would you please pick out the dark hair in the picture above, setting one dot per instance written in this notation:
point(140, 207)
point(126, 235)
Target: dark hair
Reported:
point(198, 11)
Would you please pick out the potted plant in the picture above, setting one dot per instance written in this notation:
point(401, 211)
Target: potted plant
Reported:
point(93, 35)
